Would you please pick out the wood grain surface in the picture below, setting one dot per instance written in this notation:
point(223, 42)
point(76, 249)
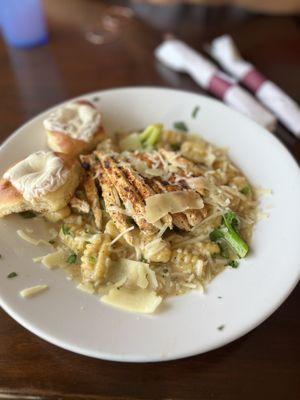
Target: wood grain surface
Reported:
point(265, 363)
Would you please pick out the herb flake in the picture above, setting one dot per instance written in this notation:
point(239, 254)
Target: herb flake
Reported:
point(180, 126)
point(195, 111)
point(221, 327)
point(246, 190)
point(72, 258)
point(12, 275)
point(233, 264)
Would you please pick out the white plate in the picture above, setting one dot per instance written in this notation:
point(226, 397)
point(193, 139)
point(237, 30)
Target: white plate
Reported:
point(185, 325)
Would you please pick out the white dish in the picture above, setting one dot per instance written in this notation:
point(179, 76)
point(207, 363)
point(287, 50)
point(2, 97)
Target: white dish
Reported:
point(185, 325)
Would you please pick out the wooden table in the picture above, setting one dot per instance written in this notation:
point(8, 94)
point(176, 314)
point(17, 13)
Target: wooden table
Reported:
point(265, 363)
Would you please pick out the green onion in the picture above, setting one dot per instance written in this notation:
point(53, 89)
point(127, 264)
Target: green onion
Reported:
point(180, 126)
point(72, 258)
point(246, 190)
point(150, 136)
point(27, 214)
point(195, 111)
point(228, 232)
point(12, 275)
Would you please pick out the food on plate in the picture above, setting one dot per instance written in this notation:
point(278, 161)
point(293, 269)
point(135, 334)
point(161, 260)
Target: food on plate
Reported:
point(152, 214)
point(33, 291)
point(74, 128)
point(42, 182)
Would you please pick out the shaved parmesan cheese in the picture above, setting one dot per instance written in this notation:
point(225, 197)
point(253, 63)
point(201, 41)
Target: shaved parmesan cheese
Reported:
point(59, 215)
point(55, 259)
point(32, 291)
point(197, 183)
point(134, 300)
point(86, 287)
point(155, 172)
point(23, 235)
point(131, 142)
point(135, 272)
point(159, 205)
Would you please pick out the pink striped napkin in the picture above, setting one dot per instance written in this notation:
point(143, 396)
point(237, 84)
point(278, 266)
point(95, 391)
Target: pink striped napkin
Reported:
point(225, 52)
point(176, 55)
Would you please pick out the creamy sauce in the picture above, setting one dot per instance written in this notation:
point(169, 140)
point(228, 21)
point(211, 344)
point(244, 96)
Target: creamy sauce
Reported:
point(38, 174)
point(79, 121)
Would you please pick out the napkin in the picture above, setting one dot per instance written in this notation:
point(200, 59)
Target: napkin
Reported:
point(224, 50)
point(178, 56)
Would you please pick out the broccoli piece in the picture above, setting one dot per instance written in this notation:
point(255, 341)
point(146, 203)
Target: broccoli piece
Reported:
point(228, 232)
point(150, 136)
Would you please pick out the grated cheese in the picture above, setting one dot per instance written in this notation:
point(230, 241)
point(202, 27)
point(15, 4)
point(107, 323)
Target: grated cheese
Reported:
point(33, 290)
point(121, 234)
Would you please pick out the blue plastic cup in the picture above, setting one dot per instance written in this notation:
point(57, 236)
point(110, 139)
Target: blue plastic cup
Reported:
point(22, 23)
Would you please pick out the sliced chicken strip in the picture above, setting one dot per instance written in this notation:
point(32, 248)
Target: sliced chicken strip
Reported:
point(127, 192)
point(142, 187)
point(150, 161)
point(194, 217)
point(112, 203)
point(179, 219)
point(93, 199)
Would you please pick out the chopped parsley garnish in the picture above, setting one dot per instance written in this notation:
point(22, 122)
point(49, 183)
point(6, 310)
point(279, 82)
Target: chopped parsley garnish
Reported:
point(175, 146)
point(195, 111)
point(65, 229)
point(246, 190)
point(233, 264)
point(221, 327)
point(143, 259)
point(180, 126)
point(28, 214)
point(72, 258)
point(12, 275)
